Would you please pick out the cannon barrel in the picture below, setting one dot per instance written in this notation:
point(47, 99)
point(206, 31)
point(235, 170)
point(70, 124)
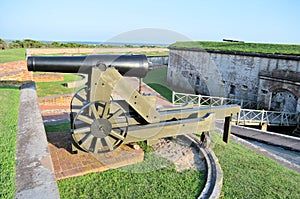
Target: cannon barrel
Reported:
point(127, 65)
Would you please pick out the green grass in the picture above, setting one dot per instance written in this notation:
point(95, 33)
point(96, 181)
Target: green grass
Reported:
point(247, 174)
point(9, 104)
point(157, 79)
point(153, 178)
point(288, 49)
point(56, 88)
point(58, 127)
point(163, 90)
point(9, 55)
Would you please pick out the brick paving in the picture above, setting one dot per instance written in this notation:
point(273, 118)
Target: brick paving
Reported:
point(16, 70)
point(68, 165)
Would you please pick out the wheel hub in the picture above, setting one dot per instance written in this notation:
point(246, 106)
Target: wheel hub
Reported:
point(101, 128)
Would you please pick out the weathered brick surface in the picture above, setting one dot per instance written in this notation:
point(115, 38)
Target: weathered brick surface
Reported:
point(16, 70)
point(68, 165)
point(56, 100)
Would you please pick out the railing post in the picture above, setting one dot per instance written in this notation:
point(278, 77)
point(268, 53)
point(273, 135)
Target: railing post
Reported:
point(262, 117)
point(242, 103)
point(199, 100)
point(173, 97)
point(222, 100)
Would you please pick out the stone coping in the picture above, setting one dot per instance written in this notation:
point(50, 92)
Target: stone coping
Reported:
point(251, 54)
point(34, 170)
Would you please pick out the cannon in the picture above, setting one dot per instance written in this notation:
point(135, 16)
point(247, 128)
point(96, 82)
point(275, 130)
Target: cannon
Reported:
point(108, 111)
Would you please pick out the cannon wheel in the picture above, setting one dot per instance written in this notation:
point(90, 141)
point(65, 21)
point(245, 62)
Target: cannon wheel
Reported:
point(79, 99)
point(99, 128)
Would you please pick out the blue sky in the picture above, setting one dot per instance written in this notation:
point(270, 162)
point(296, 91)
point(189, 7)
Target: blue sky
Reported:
point(268, 21)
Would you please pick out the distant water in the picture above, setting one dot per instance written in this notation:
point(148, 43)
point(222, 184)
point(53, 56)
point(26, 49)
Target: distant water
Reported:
point(119, 43)
point(104, 43)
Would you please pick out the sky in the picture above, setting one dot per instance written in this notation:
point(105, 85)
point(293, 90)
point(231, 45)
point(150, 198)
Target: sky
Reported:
point(151, 21)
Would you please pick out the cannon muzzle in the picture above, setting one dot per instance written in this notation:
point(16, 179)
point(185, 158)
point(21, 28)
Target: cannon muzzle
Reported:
point(127, 65)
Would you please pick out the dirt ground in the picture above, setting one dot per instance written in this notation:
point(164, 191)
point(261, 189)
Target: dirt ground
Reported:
point(180, 151)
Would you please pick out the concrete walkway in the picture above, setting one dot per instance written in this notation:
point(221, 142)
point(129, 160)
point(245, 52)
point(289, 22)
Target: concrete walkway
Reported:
point(284, 141)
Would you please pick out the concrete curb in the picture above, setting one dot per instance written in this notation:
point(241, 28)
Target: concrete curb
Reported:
point(34, 170)
point(78, 83)
point(214, 180)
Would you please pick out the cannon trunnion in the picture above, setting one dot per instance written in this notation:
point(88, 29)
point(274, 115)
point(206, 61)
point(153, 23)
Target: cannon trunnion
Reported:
point(109, 112)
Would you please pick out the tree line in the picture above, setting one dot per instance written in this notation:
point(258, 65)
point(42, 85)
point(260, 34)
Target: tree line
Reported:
point(29, 43)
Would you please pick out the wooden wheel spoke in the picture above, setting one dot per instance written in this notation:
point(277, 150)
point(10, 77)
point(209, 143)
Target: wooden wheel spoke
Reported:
point(117, 135)
point(98, 145)
point(109, 144)
point(82, 130)
point(105, 111)
point(84, 139)
point(119, 124)
point(116, 114)
point(92, 147)
point(94, 111)
point(85, 119)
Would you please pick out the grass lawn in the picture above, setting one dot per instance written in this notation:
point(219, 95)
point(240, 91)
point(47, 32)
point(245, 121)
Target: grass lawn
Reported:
point(58, 127)
point(9, 104)
point(241, 47)
point(56, 88)
point(9, 55)
point(157, 79)
point(247, 174)
point(155, 177)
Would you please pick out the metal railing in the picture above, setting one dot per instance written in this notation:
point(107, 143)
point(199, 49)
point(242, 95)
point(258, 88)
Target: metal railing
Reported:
point(246, 116)
point(204, 100)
